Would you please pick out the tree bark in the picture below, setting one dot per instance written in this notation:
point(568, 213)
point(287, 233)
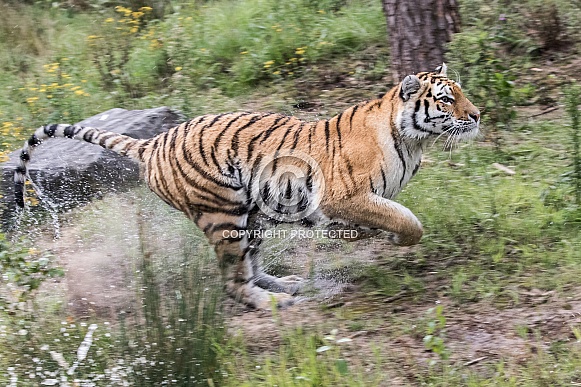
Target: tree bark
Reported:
point(418, 32)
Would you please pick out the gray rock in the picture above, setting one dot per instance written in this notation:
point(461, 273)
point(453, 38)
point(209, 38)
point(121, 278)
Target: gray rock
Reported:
point(71, 172)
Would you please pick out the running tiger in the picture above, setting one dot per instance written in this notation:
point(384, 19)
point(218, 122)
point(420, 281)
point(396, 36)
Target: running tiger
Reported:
point(233, 174)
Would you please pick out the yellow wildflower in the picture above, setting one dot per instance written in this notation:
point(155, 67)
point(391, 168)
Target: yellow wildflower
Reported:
point(109, 20)
point(178, 68)
point(300, 50)
point(145, 9)
point(32, 201)
point(79, 92)
point(243, 52)
point(268, 64)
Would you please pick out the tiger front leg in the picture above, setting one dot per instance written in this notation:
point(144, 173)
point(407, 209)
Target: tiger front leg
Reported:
point(376, 212)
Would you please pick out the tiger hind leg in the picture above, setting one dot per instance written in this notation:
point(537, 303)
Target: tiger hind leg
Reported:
point(290, 284)
point(241, 284)
point(233, 251)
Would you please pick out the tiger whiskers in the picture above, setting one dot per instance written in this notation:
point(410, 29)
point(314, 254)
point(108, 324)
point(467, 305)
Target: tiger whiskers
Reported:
point(452, 140)
point(441, 134)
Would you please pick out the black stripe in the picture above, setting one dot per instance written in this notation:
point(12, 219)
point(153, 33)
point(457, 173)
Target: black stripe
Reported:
point(327, 135)
point(228, 125)
point(161, 189)
point(115, 142)
point(418, 127)
point(219, 199)
point(384, 180)
point(338, 122)
point(311, 128)
point(250, 148)
point(221, 210)
point(274, 163)
point(235, 138)
point(141, 150)
point(24, 155)
point(199, 169)
point(88, 136)
point(106, 137)
point(253, 171)
point(397, 143)
point(49, 130)
point(213, 227)
point(69, 131)
point(201, 136)
point(352, 114)
point(273, 128)
point(34, 141)
point(296, 137)
point(309, 180)
point(169, 156)
point(350, 170)
point(416, 168)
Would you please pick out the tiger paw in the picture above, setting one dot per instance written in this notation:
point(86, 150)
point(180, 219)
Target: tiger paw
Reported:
point(277, 300)
point(256, 297)
point(290, 284)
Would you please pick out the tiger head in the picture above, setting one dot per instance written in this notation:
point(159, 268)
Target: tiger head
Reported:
point(434, 105)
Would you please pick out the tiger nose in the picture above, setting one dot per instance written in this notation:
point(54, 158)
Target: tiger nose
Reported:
point(475, 116)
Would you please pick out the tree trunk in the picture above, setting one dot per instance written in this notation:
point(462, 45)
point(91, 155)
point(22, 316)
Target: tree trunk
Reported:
point(418, 32)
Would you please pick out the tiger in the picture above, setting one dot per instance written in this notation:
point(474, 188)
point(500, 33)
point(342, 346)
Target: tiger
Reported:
point(235, 174)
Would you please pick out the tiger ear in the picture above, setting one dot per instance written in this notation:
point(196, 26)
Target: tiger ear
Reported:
point(442, 69)
point(409, 86)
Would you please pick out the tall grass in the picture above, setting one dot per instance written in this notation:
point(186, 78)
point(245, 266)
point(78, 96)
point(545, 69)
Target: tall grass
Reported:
point(169, 333)
point(175, 338)
point(236, 45)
